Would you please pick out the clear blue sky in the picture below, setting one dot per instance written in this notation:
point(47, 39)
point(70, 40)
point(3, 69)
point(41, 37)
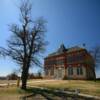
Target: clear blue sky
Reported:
point(72, 22)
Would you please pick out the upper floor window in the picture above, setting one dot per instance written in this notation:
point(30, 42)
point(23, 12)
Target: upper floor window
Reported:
point(60, 62)
point(75, 58)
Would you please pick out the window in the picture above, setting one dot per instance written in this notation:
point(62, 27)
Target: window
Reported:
point(52, 71)
point(75, 58)
point(60, 73)
point(70, 58)
point(60, 62)
point(79, 71)
point(46, 71)
point(70, 71)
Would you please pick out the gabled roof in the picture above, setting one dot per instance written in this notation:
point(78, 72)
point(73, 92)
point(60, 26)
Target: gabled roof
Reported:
point(60, 50)
point(63, 49)
point(75, 48)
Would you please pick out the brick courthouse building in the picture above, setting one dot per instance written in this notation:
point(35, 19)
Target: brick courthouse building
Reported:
point(71, 63)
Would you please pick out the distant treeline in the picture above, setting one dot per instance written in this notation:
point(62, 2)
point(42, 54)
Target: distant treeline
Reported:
point(14, 76)
point(3, 78)
point(98, 79)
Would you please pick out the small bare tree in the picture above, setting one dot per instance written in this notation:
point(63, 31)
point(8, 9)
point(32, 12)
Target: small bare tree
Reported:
point(27, 41)
point(96, 55)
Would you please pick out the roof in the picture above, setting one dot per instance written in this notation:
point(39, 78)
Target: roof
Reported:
point(63, 49)
point(60, 50)
point(75, 48)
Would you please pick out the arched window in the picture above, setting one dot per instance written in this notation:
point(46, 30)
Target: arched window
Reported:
point(79, 71)
point(52, 71)
point(46, 72)
point(70, 70)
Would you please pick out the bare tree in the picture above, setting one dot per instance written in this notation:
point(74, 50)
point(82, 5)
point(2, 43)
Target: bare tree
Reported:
point(12, 76)
point(96, 55)
point(27, 41)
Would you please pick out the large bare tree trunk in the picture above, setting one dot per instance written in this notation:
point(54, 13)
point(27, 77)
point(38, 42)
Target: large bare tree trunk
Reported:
point(24, 77)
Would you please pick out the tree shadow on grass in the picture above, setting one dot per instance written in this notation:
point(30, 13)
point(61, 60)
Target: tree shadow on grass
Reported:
point(49, 94)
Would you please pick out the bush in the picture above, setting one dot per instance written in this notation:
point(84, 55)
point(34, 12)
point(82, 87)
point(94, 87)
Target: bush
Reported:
point(12, 76)
point(65, 78)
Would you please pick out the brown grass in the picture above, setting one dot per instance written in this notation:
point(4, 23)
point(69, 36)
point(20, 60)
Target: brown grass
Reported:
point(87, 87)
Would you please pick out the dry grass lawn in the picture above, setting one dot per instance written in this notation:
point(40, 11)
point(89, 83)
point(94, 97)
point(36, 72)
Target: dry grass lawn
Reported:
point(11, 93)
point(87, 87)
